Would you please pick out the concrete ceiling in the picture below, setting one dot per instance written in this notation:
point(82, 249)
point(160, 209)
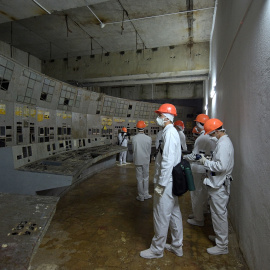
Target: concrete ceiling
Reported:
point(71, 29)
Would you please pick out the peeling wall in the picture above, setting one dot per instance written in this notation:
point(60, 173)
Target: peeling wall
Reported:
point(240, 65)
point(148, 61)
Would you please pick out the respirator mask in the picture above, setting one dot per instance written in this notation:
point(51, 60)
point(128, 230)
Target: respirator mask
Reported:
point(160, 121)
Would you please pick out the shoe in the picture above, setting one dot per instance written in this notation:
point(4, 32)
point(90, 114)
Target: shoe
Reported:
point(147, 196)
point(212, 238)
point(178, 252)
point(190, 216)
point(192, 221)
point(217, 250)
point(139, 198)
point(149, 254)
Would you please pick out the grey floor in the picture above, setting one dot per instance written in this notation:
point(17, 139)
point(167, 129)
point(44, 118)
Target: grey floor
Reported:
point(100, 225)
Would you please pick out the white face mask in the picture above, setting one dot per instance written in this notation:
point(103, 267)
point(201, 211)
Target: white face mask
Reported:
point(160, 121)
point(214, 139)
point(125, 133)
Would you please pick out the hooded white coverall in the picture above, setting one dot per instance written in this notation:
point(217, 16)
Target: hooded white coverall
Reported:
point(158, 138)
point(166, 209)
point(218, 186)
point(141, 145)
point(183, 140)
point(123, 141)
point(203, 144)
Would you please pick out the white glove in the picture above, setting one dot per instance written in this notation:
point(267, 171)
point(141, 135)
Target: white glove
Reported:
point(202, 159)
point(159, 190)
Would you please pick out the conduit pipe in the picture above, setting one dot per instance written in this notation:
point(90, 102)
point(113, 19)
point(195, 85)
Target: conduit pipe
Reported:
point(162, 15)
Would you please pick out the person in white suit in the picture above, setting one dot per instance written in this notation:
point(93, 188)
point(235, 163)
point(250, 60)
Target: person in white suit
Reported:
point(203, 145)
point(123, 141)
point(141, 146)
point(179, 125)
point(166, 209)
point(218, 180)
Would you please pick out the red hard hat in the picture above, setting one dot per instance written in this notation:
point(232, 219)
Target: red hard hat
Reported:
point(195, 130)
point(167, 108)
point(211, 125)
point(124, 129)
point(202, 118)
point(179, 123)
point(141, 124)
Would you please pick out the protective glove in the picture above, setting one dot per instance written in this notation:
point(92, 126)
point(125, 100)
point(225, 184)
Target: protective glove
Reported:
point(202, 159)
point(159, 190)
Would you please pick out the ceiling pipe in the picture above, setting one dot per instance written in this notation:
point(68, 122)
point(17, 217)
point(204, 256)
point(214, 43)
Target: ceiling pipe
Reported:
point(42, 7)
point(102, 25)
point(162, 15)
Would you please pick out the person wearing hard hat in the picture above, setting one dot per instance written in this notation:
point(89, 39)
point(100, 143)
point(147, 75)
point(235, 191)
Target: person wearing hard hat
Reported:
point(195, 132)
point(199, 197)
point(219, 176)
point(166, 209)
point(141, 146)
point(123, 141)
point(179, 125)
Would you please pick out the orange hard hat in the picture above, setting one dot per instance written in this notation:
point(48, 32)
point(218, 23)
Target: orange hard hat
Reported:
point(141, 124)
point(195, 130)
point(179, 123)
point(167, 108)
point(124, 129)
point(211, 125)
point(202, 118)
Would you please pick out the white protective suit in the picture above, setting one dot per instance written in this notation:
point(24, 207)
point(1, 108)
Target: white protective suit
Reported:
point(218, 186)
point(141, 145)
point(158, 138)
point(123, 141)
point(203, 144)
point(166, 209)
point(183, 140)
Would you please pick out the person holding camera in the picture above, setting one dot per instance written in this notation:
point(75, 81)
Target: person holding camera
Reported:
point(203, 145)
point(218, 180)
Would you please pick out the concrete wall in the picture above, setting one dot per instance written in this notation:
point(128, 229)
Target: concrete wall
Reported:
point(20, 56)
point(174, 59)
point(157, 92)
point(240, 66)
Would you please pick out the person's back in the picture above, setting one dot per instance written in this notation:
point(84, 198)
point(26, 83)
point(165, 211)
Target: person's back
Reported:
point(141, 145)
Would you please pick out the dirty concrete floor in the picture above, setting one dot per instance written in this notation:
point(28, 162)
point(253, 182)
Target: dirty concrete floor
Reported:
point(100, 225)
